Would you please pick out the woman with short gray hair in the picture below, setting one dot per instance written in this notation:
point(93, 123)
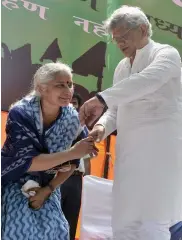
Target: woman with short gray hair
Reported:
point(40, 130)
point(144, 107)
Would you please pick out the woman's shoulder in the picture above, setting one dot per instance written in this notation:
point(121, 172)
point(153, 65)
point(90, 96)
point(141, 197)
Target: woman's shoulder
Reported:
point(70, 116)
point(71, 111)
point(22, 106)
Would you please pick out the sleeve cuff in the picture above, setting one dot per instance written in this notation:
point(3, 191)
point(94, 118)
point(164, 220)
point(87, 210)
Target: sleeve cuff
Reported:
point(100, 122)
point(101, 99)
point(106, 99)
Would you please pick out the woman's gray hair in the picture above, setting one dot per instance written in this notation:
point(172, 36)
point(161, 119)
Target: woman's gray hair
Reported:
point(128, 16)
point(49, 72)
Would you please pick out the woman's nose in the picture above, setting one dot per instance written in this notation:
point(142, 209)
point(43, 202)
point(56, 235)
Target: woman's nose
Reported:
point(68, 91)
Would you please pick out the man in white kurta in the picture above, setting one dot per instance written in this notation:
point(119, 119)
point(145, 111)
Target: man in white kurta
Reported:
point(144, 106)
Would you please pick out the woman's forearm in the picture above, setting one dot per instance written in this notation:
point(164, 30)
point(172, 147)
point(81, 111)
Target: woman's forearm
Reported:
point(46, 161)
point(61, 177)
point(42, 194)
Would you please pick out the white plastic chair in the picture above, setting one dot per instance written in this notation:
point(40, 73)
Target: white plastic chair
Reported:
point(96, 209)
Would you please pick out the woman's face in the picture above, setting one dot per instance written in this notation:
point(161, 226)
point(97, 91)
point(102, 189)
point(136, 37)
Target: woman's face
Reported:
point(58, 92)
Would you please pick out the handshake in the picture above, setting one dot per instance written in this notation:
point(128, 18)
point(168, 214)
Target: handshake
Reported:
point(87, 146)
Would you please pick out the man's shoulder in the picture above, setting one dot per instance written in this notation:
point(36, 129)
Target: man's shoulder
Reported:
point(165, 51)
point(164, 48)
point(157, 45)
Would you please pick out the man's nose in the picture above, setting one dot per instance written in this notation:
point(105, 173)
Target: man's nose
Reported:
point(121, 44)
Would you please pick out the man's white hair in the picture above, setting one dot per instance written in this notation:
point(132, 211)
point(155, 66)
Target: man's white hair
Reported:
point(128, 16)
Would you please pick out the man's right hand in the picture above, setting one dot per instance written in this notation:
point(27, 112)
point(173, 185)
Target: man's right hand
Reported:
point(97, 133)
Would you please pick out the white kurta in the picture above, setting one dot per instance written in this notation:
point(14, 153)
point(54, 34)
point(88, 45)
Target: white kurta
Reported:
point(144, 107)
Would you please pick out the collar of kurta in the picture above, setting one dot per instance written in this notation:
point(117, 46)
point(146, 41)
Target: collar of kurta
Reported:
point(140, 53)
point(144, 49)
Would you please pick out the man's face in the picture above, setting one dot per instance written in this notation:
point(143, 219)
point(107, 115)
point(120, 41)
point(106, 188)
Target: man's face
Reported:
point(129, 40)
point(75, 103)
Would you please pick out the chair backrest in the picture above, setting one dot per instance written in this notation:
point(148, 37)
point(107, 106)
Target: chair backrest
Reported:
point(96, 209)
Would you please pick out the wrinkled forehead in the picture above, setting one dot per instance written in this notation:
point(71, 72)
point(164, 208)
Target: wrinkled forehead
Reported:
point(62, 79)
point(119, 31)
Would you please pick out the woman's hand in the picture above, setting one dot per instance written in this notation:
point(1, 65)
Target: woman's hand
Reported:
point(97, 132)
point(84, 147)
point(42, 194)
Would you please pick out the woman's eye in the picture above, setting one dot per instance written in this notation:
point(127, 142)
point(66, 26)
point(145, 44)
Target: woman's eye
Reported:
point(70, 85)
point(60, 86)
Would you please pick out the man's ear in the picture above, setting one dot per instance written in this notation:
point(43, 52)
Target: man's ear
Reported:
point(144, 30)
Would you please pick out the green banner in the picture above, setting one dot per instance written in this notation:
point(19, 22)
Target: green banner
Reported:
point(72, 31)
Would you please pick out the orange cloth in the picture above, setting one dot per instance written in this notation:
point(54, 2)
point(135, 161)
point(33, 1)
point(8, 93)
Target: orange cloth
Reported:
point(3, 126)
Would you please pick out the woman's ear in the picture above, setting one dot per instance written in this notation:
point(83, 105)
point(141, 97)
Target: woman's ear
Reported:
point(41, 88)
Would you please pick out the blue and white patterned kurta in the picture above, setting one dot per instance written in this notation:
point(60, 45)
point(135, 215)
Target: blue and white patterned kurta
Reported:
point(25, 140)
